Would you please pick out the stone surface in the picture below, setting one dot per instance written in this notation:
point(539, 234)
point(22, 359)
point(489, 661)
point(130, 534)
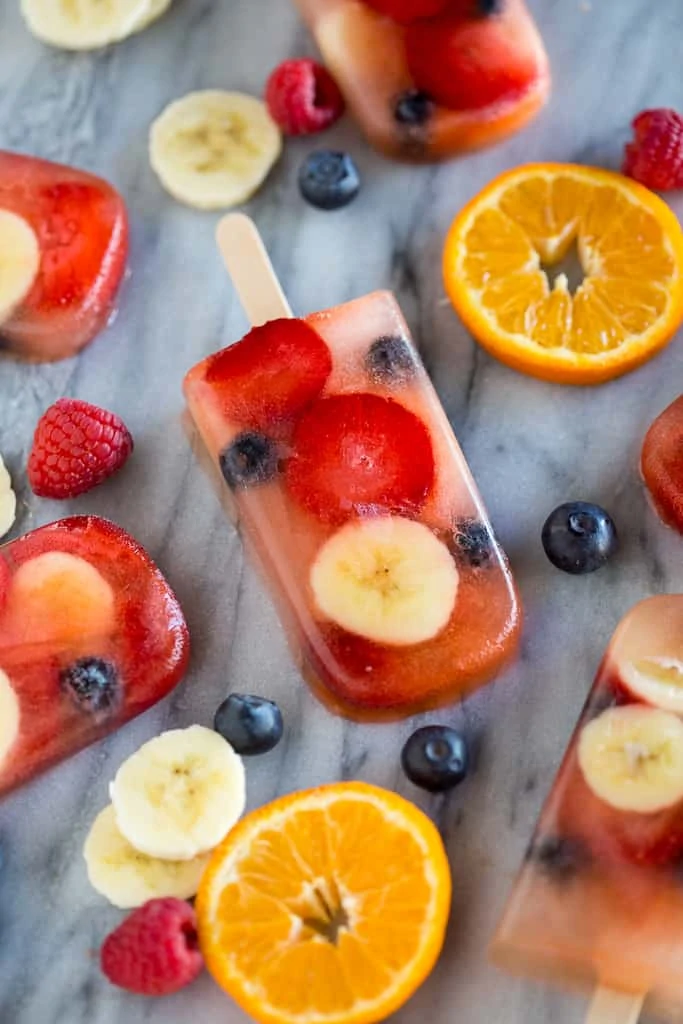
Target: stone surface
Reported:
point(530, 445)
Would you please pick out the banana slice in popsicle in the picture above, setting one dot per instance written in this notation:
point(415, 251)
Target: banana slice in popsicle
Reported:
point(128, 878)
point(632, 758)
point(19, 261)
point(179, 794)
point(85, 24)
point(8, 501)
point(213, 149)
point(387, 578)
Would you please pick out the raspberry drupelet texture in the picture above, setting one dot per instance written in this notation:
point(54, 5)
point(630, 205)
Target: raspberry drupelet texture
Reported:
point(655, 156)
point(76, 446)
point(303, 98)
point(155, 951)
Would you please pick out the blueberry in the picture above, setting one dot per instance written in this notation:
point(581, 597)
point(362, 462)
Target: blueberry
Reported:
point(413, 107)
point(251, 725)
point(92, 684)
point(579, 537)
point(472, 542)
point(390, 360)
point(435, 758)
point(488, 7)
point(559, 857)
point(251, 458)
point(328, 180)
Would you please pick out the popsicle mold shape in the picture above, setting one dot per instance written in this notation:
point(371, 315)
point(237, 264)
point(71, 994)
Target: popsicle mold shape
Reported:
point(437, 86)
point(354, 498)
point(662, 464)
point(91, 635)
point(599, 900)
point(64, 236)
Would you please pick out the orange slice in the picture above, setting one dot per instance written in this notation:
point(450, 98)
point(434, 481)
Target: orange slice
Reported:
point(328, 906)
point(514, 238)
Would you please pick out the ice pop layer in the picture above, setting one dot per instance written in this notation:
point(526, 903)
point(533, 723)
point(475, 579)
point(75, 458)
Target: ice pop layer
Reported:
point(90, 636)
point(355, 499)
point(599, 899)
point(64, 236)
point(426, 80)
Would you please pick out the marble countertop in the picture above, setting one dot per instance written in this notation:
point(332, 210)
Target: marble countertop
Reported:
point(531, 445)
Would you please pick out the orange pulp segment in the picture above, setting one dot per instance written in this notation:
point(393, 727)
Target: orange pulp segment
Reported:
point(503, 249)
point(326, 906)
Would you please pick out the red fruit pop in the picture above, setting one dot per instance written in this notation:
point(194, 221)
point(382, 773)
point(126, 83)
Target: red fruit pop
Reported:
point(405, 11)
point(359, 453)
point(81, 226)
point(155, 951)
point(662, 464)
point(303, 98)
point(76, 446)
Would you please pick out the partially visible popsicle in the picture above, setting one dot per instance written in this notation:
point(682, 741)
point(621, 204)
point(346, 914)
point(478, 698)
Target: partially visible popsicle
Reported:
point(64, 242)
point(429, 78)
point(662, 464)
point(91, 635)
point(354, 497)
point(599, 900)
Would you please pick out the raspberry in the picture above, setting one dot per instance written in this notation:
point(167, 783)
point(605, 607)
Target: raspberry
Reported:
point(155, 951)
point(75, 447)
point(655, 157)
point(303, 98)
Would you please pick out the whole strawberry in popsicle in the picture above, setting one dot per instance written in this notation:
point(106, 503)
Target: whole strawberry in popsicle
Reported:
point(64, 243)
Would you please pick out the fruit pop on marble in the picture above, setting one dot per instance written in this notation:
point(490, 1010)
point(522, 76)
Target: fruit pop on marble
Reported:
point(599, 899)
point(661, 464)
point(354, 498)
point(91, 635)
point(64, 235)
point(427, 79)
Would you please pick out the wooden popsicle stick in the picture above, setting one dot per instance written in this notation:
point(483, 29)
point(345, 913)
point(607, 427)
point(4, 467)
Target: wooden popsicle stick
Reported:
point(611, 1007)
point(249, 266)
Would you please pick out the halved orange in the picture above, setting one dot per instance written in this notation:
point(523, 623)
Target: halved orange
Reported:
point(328, 906)
point(507, 244)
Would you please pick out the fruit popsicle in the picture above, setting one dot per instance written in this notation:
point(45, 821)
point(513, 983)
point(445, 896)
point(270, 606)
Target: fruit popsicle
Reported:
point(599, 900)
point(661, 464)
point(91, 635)
point(355, 499)
point(67, 233)
point(427, 79)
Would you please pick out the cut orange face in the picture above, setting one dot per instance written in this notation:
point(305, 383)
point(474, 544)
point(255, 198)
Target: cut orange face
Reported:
point(328, 906)
point(510, 253)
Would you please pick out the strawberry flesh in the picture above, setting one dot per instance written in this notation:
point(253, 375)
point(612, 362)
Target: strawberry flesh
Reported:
point(82, 229)
point(271, 375)
point(466, 61)
point(148, 645)
point(359, 453)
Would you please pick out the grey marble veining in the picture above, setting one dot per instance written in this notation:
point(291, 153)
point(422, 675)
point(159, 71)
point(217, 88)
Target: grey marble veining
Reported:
point(530, 445)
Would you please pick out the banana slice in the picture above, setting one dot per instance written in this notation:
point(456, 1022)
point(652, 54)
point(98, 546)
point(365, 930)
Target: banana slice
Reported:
point(9, 715)
point(8, 501)
point(657, 681)
point(85, 24)
point(632, 758)
point(19, 261)
point(388, 579)
point(179, 794)
point(213, 149)
point(128, 878)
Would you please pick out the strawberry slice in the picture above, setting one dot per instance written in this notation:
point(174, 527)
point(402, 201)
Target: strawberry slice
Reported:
point(662, 464)
point(271, 375)
point(405, 11)
point(466, 60)
point(81, 225)
point(359, 453)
